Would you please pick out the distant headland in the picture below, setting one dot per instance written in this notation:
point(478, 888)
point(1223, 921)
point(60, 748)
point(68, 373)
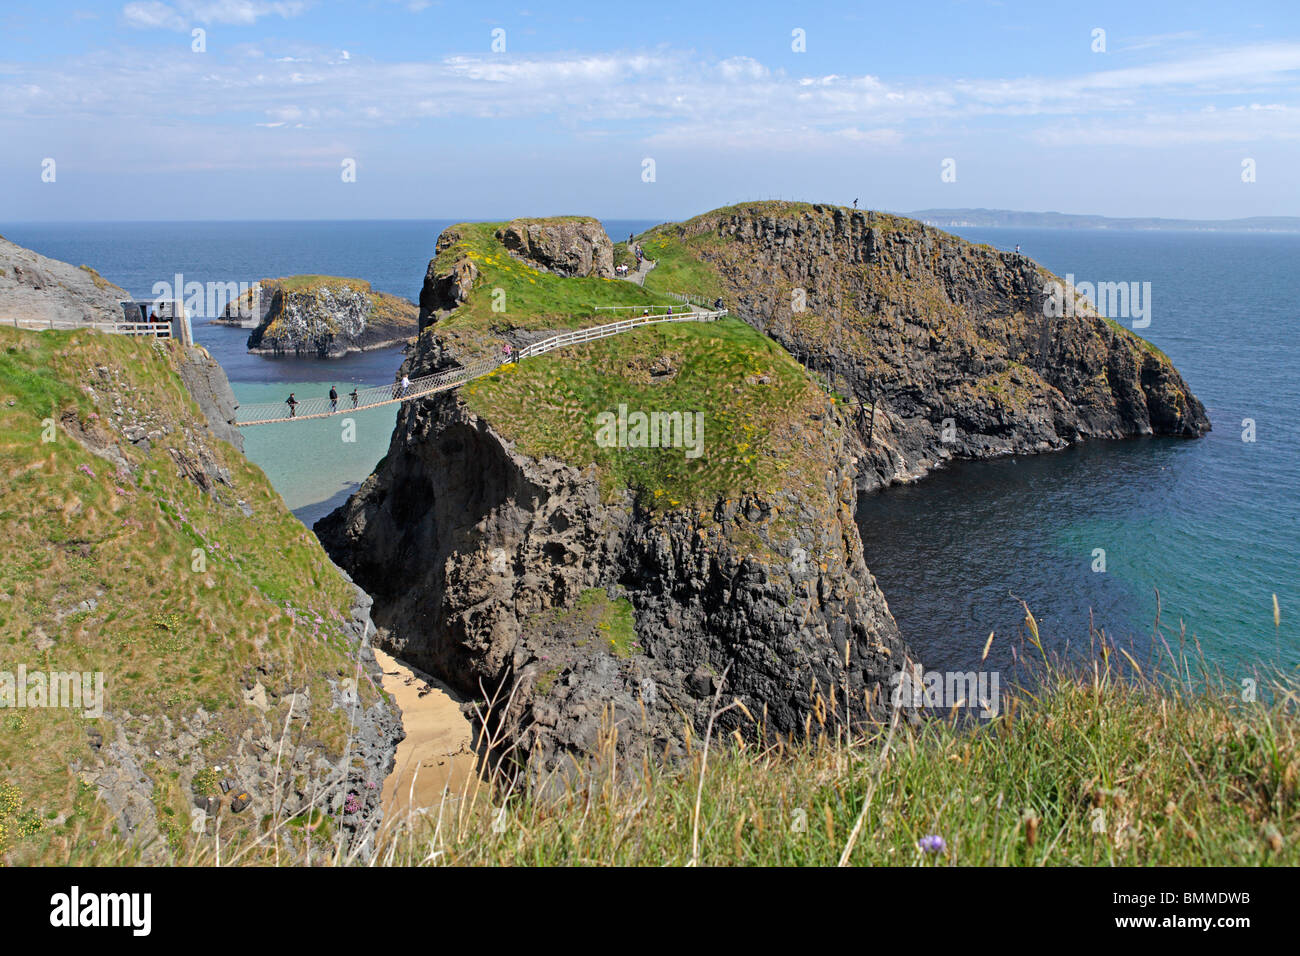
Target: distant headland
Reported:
point(982, 218)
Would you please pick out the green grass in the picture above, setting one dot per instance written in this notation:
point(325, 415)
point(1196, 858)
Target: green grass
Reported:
point(310, 283)
point(168, 638)
point(760, 410)
point(532, 299)
point(1084, 766)
point(615, 621)
point(677, 266)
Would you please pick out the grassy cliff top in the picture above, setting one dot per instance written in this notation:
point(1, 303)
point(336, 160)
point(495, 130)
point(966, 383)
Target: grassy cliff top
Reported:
point(760, 419)
point(529, 298)
point(310, 283)
point(117, 561)
point(692, 254)
point(762, 414)
point(385, 303)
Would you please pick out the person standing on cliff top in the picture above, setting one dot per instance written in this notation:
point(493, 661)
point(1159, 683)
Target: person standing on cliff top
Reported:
point(334, 400)
point(293, 405)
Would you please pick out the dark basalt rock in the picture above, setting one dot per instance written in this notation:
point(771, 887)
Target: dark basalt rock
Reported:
point(477, 555)
point(954, 339)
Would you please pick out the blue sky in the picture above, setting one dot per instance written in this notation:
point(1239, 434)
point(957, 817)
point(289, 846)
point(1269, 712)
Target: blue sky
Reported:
point(259, 124)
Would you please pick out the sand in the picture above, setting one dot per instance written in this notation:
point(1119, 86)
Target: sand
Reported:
point(437, 750)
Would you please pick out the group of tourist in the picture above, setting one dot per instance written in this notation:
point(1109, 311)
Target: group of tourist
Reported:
point(293, 403)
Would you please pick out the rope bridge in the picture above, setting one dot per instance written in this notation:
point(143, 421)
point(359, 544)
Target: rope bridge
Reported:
point(266, 413)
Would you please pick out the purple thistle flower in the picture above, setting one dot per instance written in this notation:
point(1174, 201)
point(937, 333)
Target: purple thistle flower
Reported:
point(932, 843)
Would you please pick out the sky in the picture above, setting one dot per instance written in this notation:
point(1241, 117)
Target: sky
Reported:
point(323, 109)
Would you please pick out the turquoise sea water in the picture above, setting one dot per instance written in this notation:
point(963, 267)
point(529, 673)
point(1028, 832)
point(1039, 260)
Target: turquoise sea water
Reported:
point(1214, 524)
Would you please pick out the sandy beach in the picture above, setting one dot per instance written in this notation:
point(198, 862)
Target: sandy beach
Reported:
point(436, 752)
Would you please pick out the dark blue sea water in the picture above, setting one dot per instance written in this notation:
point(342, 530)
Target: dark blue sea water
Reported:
point(1214, 524)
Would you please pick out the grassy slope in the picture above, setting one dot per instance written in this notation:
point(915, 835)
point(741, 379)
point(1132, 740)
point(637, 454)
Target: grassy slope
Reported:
point(532, 299)
point(758, 403)
point(168, 638)
point(1097, 768)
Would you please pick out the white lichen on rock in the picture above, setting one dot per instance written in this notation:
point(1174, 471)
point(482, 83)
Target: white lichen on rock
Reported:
point(310, 320)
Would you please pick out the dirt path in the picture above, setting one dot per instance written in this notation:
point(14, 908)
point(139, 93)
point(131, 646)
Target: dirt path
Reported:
point(639, 276)
point(436, 752)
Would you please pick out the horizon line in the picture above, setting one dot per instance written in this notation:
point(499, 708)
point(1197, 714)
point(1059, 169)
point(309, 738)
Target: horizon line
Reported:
point(454, 219)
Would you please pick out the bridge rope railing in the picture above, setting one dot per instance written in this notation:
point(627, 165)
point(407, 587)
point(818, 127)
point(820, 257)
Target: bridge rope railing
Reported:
point(265, 413)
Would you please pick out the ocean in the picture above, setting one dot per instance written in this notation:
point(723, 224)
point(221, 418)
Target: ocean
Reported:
point(1212, 526)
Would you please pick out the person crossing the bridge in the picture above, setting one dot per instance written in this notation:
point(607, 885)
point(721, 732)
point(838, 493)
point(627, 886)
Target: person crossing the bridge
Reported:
point(353, 395)
point(293, 405)
point(406, 385)
point(334, 399)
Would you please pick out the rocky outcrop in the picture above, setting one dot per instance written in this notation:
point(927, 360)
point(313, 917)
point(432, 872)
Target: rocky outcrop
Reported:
point(566, 246)
point(446, 283)
point(207, 384)
point(321, 316)
point(501, 573)
point(33, 286)
point(276, 762)
point(958, 342)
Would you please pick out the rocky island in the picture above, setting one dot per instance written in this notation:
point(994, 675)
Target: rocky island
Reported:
point(322, 316)
point(631, 588)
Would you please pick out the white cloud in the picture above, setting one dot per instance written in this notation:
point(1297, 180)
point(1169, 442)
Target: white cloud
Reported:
point(669, 98)
point(151, 15)
point(182, 14)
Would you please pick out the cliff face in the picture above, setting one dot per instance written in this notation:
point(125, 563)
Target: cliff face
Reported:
point(142, 547)
point(494, 569)
point(322, 316)
point(957, 341)
point(207, 384)
point(572, 246)
point(33, 286)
